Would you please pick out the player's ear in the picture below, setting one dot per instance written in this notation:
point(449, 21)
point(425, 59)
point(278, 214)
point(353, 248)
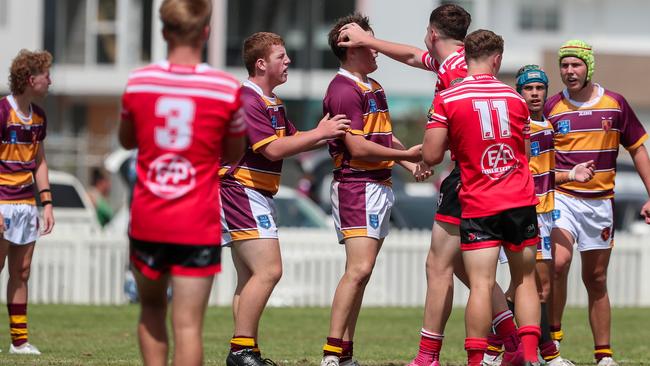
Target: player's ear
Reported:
point(260, 64)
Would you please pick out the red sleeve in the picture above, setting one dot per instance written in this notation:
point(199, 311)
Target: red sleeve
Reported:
point(125, 112)
point(437, 114)
point(428, 61)
point(526, 114)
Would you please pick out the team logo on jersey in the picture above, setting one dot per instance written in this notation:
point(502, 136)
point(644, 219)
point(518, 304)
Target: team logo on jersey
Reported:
point(430, 113)
point(170, 176)
point(373, 105)
point(547, 243)
point(534, 148)
point(607, 123)
point(264, 221)
point(373, 219)
point(274, 121)
point(498, 161)
point(13, 137)
point(555, 214)
point(606, 233)
point(564, 126)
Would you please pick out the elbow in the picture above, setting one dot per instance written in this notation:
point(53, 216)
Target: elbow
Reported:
point(357, 153)
point(432, 158)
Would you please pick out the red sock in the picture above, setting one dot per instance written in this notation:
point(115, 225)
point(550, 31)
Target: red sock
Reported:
point(602, 351)
point(529, 336)
point(430, 345)
point(333, 347)
point(239, 342)
point(346, 354)
point(18, 323)
point(475, 348)
point(505, 328)
point(549, 351)
point(495, 345)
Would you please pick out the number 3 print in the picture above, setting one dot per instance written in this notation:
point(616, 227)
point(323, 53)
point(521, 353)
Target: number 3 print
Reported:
point(179, 116)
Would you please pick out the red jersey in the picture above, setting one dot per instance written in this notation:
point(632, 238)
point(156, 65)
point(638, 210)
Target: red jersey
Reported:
point(451, 71)
point(487, 124)
point(180, 115)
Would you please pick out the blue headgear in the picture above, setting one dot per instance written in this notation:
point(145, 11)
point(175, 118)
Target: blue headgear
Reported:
point(530, 74)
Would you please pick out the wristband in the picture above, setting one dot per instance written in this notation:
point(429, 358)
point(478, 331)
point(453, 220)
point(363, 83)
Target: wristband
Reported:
point(45, 195)
point(45, 203)
point(572, 174)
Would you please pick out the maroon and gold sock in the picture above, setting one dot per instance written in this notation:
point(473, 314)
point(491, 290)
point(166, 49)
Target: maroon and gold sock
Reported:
point(495, 345)
point(18, 323)
point(602, 351)
point(504, 327)
point(333, 347)
point(556, 332)
point(549, 351)
point(347, 352)
point(238, 343)
point(475, 348)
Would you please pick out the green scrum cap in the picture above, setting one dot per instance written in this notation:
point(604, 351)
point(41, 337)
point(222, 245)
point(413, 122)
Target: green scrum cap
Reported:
point(581, 50)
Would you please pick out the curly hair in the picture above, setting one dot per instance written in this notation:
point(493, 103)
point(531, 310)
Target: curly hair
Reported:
point(27, 63)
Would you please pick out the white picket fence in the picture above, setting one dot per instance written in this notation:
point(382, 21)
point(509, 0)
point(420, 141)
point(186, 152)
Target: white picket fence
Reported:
point(89, 268)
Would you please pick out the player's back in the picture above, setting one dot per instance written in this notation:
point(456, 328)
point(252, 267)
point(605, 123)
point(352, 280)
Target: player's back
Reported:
point(180, 115)
point(488, 123)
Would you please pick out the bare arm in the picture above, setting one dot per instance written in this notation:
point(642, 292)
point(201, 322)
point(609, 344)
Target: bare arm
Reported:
point(43, 182)
point(126, 135)
point(352, 35)
point(362, 149)
point(419, 170)
point(642, 164)
point(434, 146)
point(327, 128)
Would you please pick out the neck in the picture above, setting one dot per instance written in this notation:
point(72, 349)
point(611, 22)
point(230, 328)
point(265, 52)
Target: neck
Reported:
point(479, 68)
point(445, 48)
point(536, 116)
point(264, 83)
point(352, 69)
point(184, 55)
point(23, 102)
point(585, 94)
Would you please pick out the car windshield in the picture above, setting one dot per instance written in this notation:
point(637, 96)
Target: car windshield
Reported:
point(294, 212)
point(64, 196)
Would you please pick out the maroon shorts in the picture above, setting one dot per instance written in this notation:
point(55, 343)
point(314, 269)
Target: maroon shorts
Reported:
point(155, 259)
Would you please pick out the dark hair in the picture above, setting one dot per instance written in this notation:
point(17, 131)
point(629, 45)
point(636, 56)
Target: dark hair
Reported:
point(97, 175)
point(451, 21)
point(258, 45)
point(482, 43)
point(333, 37)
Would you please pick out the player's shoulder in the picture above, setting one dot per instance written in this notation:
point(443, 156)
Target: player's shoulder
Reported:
point(617, 97)
point(342, 87)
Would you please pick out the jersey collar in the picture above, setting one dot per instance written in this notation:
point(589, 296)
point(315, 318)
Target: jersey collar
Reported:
point(348, 74)
point(14, 106)
point(587, 104)
point(258, 90)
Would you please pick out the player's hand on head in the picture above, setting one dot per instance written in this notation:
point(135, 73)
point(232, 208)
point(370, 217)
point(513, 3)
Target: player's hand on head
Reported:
point(352, 35)
point(645, 212)
point(422, 171)
point(333, 127)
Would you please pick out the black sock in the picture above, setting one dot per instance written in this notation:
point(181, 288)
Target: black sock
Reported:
point(544, 325)
point(511, 306)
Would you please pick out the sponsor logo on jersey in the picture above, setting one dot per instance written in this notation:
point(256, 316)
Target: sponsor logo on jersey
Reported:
point(498, 161)
point(555, 214)
point(564, 126)
point(171, 176)
point(373, 106)
point(584, 113)
point(13, 137)
point(455, 81)
point(274, 122)
point(607, 123)
point(264, 221)
point(373, 219)
point(430, 113)
point(534, 148)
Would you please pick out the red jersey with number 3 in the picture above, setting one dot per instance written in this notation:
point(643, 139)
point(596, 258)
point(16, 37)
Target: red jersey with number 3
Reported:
point(487, 124)
point(180, 116)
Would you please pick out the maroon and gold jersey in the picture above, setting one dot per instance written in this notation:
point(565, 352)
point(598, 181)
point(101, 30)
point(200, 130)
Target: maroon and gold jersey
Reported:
point(180, 115)
point(21, 138)
point(267, 121)
point(366, 106)
point(487, 123)
point(542, 164)
point(592, 131)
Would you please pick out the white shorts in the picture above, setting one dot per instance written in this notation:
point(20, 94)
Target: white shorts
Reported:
point(590, 221)
point(545, 223)
point(361, 209)
point(21, 223)
point(246, 214)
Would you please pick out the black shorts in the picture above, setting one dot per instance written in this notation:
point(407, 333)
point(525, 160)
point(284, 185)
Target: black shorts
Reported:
point(514, 229)
point(155, 259)
point(448, 203)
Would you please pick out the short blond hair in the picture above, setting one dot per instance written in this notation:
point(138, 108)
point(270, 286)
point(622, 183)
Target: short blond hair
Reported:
point(184, 20)
point(27, 63)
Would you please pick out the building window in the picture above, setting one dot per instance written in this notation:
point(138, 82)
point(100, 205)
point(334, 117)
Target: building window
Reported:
point(98, 31)
point(537, 15)
point(303, 24)
point(4, 12)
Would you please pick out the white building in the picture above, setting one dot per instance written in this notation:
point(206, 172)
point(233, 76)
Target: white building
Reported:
point(97, 42)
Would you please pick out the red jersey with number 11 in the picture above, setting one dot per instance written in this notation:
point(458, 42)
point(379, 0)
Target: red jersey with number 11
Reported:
point(487, 124)
point(180, 115)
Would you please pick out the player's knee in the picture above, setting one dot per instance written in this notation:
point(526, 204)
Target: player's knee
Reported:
point(437, 270)
point(273, 273)
point(544, 292)
point(561, 266)
point(20, 274)
point(360, 273)
point(595, 282)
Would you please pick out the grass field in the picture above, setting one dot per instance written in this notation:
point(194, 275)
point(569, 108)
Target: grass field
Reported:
point(103, 335)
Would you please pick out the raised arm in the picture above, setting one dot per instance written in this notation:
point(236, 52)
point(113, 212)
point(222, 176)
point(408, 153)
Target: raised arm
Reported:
point(352, 35)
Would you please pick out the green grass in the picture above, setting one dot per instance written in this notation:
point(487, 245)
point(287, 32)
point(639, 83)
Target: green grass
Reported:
point(105, 335)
